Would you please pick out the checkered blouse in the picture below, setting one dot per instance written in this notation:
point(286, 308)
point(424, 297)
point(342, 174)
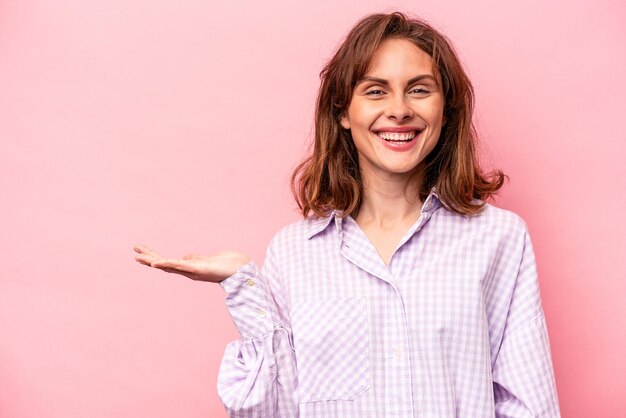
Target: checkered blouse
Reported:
point(453, 327)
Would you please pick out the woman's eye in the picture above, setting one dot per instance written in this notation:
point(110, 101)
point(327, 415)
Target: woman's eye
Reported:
point(420, 90)
point(374, 92)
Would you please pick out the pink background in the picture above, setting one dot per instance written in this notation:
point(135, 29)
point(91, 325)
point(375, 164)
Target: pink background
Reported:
point(177, 124)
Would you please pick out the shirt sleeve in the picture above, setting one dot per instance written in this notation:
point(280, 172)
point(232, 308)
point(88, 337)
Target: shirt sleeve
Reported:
point(257, 376)
point(523, 377)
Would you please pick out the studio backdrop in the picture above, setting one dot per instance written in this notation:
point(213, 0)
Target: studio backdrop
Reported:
point(177, 125)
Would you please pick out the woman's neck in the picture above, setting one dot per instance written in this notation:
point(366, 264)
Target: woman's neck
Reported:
point(388, 202)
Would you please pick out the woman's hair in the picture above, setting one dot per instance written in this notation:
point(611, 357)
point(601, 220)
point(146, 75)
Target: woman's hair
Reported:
point(329, 179)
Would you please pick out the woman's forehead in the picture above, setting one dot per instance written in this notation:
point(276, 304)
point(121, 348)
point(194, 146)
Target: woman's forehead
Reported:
point(399, 59)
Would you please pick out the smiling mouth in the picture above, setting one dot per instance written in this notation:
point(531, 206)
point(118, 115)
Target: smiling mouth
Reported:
point(398, 137)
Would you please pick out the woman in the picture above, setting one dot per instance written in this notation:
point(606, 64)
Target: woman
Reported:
point(403, 293)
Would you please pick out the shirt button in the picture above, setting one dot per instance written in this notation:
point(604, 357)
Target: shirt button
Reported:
point(250, 283)
point(397, 353)
point(262, 313)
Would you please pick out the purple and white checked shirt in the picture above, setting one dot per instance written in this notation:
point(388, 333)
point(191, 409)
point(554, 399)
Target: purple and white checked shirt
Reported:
point(453, 327)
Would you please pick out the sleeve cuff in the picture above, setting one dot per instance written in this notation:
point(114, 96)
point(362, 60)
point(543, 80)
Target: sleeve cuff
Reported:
point(247, 299)
point(245, 272)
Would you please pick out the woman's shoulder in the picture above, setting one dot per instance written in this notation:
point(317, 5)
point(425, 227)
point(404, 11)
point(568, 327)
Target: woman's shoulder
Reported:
point(499, 219)
point(302, 229)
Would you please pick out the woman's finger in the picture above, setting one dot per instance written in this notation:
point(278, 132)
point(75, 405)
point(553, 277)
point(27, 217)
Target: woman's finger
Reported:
point(145, 259)
point(180, 265)
point(142, 249)
point(182, 273)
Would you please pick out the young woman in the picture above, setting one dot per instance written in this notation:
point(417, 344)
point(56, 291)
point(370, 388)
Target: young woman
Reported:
point(402, 292)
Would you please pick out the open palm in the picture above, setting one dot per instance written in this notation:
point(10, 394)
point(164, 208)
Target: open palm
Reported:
point(208, 268)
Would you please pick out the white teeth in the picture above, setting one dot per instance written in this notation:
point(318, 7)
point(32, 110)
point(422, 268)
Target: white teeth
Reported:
point(397, 136)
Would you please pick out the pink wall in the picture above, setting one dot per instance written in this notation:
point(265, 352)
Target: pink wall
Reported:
point(177, 124)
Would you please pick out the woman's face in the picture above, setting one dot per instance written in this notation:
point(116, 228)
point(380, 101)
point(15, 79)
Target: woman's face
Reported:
point(396, 111)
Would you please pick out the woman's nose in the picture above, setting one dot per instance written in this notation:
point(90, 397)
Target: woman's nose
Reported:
point(399, 109)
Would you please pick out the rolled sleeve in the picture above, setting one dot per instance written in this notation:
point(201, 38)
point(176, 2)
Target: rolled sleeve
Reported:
point(248, 301)
point(257, 376)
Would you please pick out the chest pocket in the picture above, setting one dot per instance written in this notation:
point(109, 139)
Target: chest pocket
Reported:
point(331, 342)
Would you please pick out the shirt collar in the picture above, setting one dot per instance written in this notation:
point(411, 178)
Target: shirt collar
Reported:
point(319, 224)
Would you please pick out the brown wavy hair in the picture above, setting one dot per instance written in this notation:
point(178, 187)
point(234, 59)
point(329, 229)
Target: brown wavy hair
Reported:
point(330, 179)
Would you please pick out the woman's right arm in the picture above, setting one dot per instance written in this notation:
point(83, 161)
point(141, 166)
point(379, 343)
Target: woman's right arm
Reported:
point(257, 377)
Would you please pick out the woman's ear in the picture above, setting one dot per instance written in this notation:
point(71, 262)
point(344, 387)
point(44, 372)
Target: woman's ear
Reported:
point(344, 120)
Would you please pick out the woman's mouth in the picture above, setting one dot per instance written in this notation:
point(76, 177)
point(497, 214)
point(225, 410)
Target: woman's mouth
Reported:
point(397, 137)
point(398, 141)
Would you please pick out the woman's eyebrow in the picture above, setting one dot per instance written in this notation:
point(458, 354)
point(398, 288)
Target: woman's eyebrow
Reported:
point(386, 82)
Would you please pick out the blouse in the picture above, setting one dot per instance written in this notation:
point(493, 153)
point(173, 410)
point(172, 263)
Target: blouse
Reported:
point(452, 327)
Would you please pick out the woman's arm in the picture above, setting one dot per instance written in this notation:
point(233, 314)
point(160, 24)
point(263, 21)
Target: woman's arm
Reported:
point(257, 377)
point(523, 378)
